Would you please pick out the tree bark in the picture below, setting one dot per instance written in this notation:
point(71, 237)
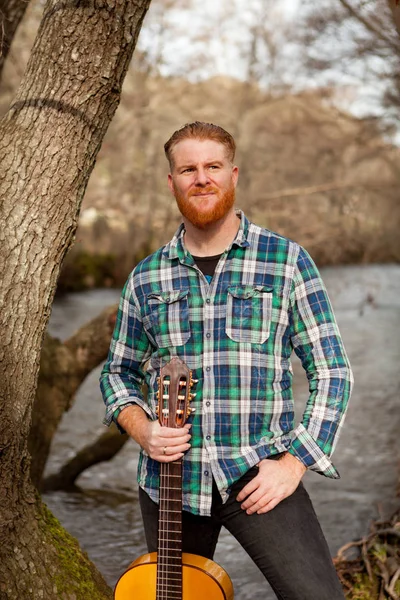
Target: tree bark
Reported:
point(11, 13)
point(49, 140)
point(63, 367)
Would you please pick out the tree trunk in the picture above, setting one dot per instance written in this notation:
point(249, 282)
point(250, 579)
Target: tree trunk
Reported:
point(49, 141)
point(63, 367)
point(11, 13)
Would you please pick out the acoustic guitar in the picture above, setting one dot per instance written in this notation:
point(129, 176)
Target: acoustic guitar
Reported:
point(169, 574)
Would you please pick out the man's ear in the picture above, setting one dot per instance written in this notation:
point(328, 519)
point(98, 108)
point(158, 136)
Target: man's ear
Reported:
point(171, 184)
point(235, 175)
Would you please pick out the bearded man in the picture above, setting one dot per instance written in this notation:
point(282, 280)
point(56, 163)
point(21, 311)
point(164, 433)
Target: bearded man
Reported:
point(232, 300)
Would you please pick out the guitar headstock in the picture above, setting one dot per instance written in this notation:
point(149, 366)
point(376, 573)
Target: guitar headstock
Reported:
point(174, 393)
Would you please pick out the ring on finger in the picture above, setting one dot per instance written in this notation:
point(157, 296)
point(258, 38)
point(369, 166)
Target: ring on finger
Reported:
point(165, 450)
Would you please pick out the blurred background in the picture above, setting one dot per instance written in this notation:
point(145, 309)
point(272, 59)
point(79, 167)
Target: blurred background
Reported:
point(311, 92)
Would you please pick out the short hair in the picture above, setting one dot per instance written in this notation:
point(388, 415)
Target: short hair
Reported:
point(200, 131)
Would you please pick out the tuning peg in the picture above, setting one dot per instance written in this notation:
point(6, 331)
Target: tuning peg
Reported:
point(190, 411)
point(191, 396)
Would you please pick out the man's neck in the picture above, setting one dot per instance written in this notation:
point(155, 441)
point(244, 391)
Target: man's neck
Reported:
point(214, 239)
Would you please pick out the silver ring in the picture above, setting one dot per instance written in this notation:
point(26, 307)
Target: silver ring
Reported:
point(165, 450)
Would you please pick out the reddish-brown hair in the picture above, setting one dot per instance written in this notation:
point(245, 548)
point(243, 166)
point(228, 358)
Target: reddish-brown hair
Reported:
point(200, 131)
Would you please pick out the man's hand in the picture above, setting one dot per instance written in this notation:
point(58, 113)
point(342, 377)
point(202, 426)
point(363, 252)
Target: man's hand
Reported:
point(276, 480)
point(164, 444)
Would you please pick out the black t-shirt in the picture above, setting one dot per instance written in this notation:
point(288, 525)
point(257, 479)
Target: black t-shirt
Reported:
point(207, 265)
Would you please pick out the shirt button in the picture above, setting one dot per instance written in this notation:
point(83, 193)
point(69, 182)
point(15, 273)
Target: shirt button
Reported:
point(208, 300)
point(208, 368)
point(208, 437)
point(206, 473)
point(208, 403)
point(208, 334)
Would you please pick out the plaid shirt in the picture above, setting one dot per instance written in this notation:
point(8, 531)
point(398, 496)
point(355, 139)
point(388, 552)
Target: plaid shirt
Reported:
point(236, 334)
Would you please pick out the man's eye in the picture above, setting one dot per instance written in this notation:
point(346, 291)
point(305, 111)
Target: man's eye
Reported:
point(213, 166)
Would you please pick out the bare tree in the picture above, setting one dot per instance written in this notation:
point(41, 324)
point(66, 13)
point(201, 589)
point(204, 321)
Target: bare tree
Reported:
point(355, 42)
point(49, 140)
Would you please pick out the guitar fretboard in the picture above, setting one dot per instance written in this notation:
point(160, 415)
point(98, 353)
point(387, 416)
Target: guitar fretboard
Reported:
point(169, 557)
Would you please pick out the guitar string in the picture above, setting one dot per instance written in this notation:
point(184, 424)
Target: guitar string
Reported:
point(163, 564)
point(164, 580)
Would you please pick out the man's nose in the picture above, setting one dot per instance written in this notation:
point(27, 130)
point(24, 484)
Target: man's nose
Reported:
point(202, 177)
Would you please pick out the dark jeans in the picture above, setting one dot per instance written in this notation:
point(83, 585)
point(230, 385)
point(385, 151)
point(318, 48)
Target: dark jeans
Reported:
point(287, 543)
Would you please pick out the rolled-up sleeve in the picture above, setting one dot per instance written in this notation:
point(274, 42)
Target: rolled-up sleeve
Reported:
point(316, 339)
point(122, 376)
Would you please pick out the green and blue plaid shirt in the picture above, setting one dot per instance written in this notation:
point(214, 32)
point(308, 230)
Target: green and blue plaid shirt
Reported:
point(236, 334)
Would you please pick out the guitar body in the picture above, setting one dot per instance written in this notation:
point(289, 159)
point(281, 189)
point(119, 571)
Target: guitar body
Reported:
point(201, 578)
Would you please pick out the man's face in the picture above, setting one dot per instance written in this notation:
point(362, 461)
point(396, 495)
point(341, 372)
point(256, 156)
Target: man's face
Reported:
point(203, 181)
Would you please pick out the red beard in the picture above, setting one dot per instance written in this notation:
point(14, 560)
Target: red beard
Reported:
point(202, 212)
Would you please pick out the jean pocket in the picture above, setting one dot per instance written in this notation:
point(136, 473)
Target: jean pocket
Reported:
point(168, 318)
point(248, 313)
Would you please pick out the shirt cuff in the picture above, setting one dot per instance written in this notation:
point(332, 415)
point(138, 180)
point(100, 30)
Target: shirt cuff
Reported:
point(305, 448)
point(114, 409)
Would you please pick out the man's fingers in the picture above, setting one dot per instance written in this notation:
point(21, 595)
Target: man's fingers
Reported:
point(171, 433)
point(254, 497)
point(256, 501)
point(248, 489)
point(269, 506)
point(169, 458)
point(168, 452)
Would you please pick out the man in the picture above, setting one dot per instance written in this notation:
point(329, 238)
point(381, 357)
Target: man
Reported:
point(232, 300)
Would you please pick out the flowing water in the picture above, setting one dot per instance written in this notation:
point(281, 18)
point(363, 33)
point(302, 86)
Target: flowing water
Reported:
point(105, 516)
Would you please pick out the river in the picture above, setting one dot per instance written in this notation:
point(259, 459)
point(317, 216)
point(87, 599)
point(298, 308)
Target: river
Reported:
point(105, 516)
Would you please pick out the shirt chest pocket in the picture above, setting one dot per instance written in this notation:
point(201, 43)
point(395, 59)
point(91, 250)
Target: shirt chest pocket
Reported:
point(248, 313)
point(168, 318)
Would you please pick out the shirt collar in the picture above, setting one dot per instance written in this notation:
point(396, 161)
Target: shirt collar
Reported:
point(176, 248)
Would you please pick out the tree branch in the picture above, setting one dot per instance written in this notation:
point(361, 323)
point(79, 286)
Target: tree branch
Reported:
point(369, 25)
point(104, 448)
point(394, 6)
point(63, 367)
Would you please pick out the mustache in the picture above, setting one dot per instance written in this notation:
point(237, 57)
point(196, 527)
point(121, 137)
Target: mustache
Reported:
point(206, 190)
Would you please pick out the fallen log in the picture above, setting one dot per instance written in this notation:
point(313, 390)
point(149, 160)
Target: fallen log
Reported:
point(104, 448)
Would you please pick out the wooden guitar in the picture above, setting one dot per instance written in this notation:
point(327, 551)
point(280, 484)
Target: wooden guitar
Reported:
point(169, 574)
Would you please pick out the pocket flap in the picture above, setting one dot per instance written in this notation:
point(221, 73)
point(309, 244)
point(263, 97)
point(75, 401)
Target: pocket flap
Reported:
point(168, 297)
point(248, 291)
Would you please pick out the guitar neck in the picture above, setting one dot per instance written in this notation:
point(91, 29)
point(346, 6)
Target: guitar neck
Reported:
point(169, 556)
